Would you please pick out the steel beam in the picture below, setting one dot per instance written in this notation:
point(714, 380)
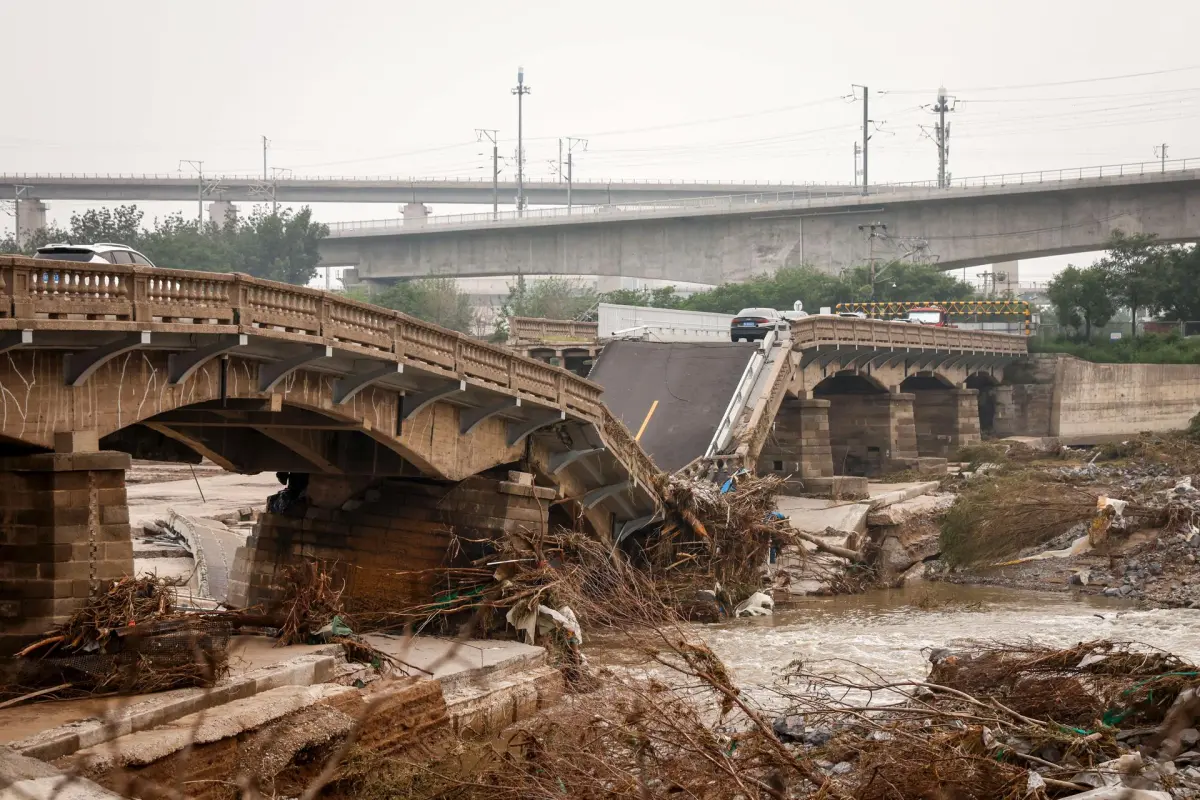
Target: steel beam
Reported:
point(470, 418)
point(519, 430)
point(182, 365)
point(345, 388)
point(412, 403)
point(560, 461)
point(597, 496)
point(271, 373)
point(12, 340)
point(631, 526)
point(78, 367)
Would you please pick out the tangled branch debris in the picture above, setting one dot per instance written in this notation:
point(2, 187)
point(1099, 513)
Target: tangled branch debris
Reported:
point(715, 535)
point(129, 638)
point(310, 602)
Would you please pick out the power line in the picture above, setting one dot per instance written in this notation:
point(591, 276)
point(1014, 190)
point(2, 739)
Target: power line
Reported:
point(1077, 81)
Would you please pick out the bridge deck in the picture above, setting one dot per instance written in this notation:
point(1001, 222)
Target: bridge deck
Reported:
point(99, 348)
point(687, 385)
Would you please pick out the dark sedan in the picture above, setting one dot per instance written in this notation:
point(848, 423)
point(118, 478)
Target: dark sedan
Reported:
point(753, 323)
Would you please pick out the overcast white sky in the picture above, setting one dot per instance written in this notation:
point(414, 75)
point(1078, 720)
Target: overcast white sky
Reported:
point(702, 89)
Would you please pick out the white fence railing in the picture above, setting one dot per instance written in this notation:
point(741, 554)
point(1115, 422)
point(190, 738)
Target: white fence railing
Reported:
point(743, 394)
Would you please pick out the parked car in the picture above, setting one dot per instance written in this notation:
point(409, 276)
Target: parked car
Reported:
point(754, 323)
point(99, 253)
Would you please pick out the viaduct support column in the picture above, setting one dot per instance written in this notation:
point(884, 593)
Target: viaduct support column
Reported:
point(64, 533)
point(378, 536)
point(946, 419)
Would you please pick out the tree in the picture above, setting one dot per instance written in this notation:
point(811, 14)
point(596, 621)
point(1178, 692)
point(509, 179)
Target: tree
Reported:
point(546, 298)
point(1180, 296)
point(662, 297)
point(901, 281)
point(1081, 298)
point(1135, 268)
point(436, 300)
point(281, 247)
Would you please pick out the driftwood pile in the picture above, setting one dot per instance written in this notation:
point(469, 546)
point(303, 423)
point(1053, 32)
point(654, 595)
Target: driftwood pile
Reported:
point(129, 638)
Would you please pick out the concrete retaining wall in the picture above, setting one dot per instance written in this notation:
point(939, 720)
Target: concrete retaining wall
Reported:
point(1104, 400)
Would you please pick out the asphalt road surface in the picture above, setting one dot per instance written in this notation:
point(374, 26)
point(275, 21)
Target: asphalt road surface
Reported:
point(688, 386)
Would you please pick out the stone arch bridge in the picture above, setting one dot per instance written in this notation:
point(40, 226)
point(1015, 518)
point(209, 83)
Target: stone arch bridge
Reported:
point(102, 362)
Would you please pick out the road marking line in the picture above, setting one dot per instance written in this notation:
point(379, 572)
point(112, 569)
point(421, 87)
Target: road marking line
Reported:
point(646, 421)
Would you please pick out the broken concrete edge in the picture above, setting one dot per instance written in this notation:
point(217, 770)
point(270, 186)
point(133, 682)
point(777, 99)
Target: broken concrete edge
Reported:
point(905, 510)
point(900, 495)
point(160, 709)
point(184, 528)
point(205, 726)
point(461, 681)
point(487, 707)
point(26, 778)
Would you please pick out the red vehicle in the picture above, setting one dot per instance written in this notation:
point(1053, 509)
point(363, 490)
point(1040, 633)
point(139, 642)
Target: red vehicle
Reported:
point(929, 315)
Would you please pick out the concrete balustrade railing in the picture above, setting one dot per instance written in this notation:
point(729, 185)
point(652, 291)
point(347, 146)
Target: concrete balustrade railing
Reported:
point(96, 294)
point(533, 330)
point(887, 335)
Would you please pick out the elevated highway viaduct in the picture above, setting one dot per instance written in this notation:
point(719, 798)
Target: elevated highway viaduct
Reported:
point(721, 240)
point(317, 189)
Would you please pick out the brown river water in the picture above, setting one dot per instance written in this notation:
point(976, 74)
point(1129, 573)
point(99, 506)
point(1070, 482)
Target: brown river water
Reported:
point(887, 631)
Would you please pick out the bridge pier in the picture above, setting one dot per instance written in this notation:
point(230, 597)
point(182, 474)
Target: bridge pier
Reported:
point(799, 444)
point(64, 529)
point(946, 420)
point(871, 433)
point(379, 535)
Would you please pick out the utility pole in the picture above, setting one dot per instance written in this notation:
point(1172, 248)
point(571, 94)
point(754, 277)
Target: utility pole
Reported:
point(520, 92)
point(943, 105)
point(269, 184)
point(560, 172)
point(857, 150)
point(871, 229)
point(199, 167)
point(866, 135)
point(1161, 152)
point(571, 143)
point(491, 135)
point(18, 193)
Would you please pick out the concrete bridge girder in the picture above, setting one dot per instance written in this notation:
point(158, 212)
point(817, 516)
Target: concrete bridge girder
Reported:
point(956, 228)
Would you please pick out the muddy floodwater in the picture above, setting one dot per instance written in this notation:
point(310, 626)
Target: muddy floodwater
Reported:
point(887, 630)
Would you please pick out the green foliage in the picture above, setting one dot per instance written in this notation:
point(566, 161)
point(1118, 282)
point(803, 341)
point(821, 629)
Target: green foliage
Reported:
point(1135, 268)
point(281, 247)
point(662, 297)
point(436, 300)
point(902, 281)
point(1081, 298)
point(545, 298)
point(897, 281)
point(1180, 296)
point(1152, 348)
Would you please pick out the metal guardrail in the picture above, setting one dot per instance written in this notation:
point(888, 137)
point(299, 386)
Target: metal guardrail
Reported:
point(191, 180)
point(777, 199)
point(741, 395)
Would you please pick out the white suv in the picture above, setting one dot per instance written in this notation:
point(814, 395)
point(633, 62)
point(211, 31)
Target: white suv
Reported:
point(99, 253)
